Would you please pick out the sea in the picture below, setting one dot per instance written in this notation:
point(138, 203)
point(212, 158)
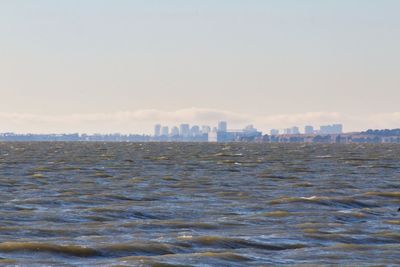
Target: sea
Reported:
point(199, 204)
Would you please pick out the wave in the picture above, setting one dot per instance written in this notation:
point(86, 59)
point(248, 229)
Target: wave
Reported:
point(384, 194)
point(235, 243)
point(114, 250)
point(326, 201)
point(70, 250)
point(224, 255)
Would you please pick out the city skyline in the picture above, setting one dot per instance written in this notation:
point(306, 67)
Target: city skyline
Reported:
point(193, 130)
point(329, 134)
point(199, 132)
point(64, 67)
point(143, 121)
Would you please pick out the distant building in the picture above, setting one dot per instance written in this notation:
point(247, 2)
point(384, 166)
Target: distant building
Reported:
point(165, 131)
point(295, 130)
point(249, 133)
point(274, 132)
point(184, 130)
point(308, 129)
point(222, 136)
point(222, 126)
point(249, 129)
point(331, 129)
point(157, 130)
point(195, 131)
point(175, 131)
point(325, 129)
point(337, 128)
point(205, 129)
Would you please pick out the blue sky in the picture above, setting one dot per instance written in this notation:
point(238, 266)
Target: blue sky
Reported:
point(272, 63)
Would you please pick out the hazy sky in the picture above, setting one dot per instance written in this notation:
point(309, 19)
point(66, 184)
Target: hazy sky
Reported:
point(123, 65)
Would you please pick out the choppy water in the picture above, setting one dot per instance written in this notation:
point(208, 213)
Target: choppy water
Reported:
point(156, 204)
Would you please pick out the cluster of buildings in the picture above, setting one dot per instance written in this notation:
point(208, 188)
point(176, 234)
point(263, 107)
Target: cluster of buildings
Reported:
point(346, 138)
point(221, 133)
point(205, 133)
point(324, 134)
point(309, 130)
point(184, 132)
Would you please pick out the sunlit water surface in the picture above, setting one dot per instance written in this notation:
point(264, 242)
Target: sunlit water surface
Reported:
point(162, 204)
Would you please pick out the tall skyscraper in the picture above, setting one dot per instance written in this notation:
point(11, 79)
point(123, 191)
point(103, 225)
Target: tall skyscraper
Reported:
point(175, 131)
point(222, 126)
point(205, 129)
point(308, 129)
point(295, 130)
point(325, 129)
point(184, 130)
point(195, 130)
point(337, 128)
point(157, 130)
point(165, 131)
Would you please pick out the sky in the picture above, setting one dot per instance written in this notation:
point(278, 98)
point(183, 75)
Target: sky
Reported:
point(125, 65)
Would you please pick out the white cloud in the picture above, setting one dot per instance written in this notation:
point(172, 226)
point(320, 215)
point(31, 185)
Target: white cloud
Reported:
point(140, 121)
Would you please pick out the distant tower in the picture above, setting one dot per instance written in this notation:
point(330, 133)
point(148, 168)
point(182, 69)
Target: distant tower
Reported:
point(325, 129)
point(195, 130)
point(205, 129)
point(295, 130)
point(184, 130)
point(157, 130)
point(308, 129)
point(165, 131)
point(222, 126)
point(175, 131)
point(337, 128)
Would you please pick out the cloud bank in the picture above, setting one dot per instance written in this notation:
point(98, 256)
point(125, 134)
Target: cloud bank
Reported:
point(142, 121)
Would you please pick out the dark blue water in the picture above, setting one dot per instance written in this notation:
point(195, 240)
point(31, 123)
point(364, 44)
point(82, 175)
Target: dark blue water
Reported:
point(162, 204)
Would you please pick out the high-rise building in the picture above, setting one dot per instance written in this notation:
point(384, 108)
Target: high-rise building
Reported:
point(308, 129)
point(331, 129)
point(165, 131)
point(274, 132)
point(184, 130)
point(249, 129)
point(337, 128)
point(222, 126)
point(325, 129)
point(295, 130)
point(157, 130)
point(205, 129)
point(195, 130)
point(175, 131)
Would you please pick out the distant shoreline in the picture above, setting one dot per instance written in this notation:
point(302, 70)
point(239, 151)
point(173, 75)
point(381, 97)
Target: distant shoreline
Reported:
point(369, 136)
